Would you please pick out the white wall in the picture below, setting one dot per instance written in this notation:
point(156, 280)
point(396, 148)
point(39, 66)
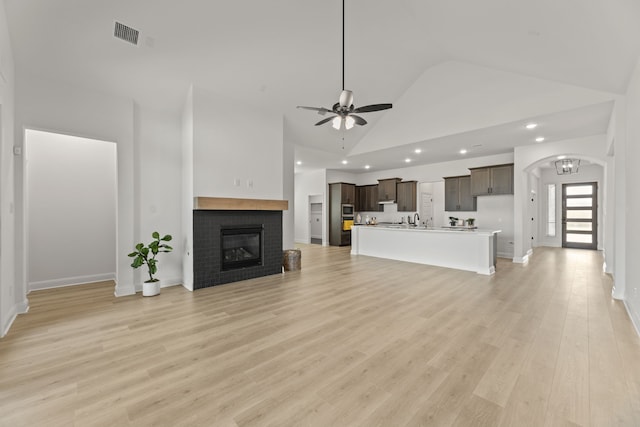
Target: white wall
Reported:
point(586, 173)
point(237, 149)
point(60, 108)
point(288, 192)
point(71, 188)
point(187, 191)
point(309, 184)
point(632, 178)
point(158, 137)
point(12, 292)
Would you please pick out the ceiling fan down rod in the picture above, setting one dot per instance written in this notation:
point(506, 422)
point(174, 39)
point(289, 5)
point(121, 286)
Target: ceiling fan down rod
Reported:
point(342, 44)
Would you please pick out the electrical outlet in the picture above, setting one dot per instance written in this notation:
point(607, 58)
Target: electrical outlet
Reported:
point(17, 151)
point(249, 183)
point(236, 182)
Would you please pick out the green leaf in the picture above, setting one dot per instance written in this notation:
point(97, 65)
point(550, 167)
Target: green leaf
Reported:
point(132, 254)
point(167, 238)
point(144, 251)
point(155, 235)
point(139, 246)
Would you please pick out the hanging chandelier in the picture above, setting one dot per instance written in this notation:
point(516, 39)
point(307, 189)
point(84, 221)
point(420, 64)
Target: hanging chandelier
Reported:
point(567, 166)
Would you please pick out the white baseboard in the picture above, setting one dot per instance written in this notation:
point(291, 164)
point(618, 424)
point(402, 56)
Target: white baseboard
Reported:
point(124, 290)
point(71, 281)
point(303, 241)
point(635, 317)
point(7, 325)
point(521, 260)
point(524, 259)
point(504, 254)
point(175, 281)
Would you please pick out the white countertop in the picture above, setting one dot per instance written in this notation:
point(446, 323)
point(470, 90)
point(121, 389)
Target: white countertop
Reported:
point(422, 229)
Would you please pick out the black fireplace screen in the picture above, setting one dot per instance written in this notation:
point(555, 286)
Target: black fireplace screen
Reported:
point(241, 247)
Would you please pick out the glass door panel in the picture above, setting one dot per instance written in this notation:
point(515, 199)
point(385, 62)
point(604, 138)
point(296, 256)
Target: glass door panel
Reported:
point(579, 215)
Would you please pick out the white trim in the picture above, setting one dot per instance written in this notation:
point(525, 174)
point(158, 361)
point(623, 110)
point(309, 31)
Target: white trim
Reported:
point(20, 308)
point(521, 260)
point(123, 291)
point(174, 281)
point(7, 326)
point(303, 241)
point(71, 281)
point(635, 317)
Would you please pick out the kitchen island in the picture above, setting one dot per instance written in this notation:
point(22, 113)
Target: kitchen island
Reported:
point(459, 248)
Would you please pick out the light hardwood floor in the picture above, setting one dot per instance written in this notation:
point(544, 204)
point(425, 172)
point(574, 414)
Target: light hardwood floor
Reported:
point(347, 341)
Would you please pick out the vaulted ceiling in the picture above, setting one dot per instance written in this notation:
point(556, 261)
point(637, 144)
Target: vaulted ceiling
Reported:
point(460, 73)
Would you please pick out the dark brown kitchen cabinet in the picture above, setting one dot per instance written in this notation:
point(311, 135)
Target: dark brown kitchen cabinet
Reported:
point(348, 196)
point(457, 194)
point(367, 198)
point(406, 193)
point(340, 194)
point(492, 180)
point(387, 189)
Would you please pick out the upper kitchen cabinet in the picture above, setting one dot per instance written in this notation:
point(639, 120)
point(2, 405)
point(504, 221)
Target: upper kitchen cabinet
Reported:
point(367, 198)
point(492, 180)
point(387, 189)
point(457, 194)
point(348, 193)
point(406, 193)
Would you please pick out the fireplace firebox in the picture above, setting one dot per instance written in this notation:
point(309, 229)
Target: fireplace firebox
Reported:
point(241, 246)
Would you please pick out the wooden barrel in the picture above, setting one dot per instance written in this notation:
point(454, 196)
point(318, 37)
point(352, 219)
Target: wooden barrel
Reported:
point(292, 259)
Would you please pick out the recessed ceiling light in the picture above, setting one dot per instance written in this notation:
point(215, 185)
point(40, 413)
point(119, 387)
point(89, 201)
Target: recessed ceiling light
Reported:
point(298, 162)
point(344, 162)
point(407, 160)
point(418, 151)
point(540, 139)
point(367, 166)
point(562, 157)
point(463, 151)
point(531, 126)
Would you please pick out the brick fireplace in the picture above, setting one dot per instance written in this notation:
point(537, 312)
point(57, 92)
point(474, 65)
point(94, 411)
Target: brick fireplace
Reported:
point(236, 239)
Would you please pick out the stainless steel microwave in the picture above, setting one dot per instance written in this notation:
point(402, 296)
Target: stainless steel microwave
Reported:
point(347, 210)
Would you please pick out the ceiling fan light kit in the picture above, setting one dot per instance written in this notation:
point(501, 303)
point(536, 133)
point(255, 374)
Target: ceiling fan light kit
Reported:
point(344, 109)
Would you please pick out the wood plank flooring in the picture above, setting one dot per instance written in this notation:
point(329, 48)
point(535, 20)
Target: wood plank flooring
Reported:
point(347, 341)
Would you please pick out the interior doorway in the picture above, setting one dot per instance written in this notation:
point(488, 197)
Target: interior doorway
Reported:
point(70, 193)
point(315, 223)
point(580, 215)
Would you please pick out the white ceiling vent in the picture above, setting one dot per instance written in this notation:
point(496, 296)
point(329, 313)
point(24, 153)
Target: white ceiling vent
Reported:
point(125, 33)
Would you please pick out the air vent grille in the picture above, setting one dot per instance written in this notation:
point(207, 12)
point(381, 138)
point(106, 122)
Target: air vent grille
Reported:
point(125, 33)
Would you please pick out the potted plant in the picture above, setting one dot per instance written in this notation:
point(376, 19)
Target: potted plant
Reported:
point(146, 255)
point(470, 221)
point(453, 221)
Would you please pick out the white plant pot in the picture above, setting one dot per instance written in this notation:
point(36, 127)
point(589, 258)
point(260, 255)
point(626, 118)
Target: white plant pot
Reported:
point(150, 289)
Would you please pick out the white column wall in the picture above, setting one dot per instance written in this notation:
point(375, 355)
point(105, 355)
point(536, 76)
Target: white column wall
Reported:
point(12, 290)
point(632, 178)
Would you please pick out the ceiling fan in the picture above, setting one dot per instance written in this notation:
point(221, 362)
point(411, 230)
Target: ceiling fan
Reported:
point(345, 113)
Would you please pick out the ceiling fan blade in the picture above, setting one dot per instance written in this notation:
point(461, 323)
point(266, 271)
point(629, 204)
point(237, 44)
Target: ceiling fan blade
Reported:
point(321, 110)
point(323, 121)
point(359, 120)
point(372, 108)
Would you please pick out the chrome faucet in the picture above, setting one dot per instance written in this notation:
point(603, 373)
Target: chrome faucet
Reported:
point(416, 218)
